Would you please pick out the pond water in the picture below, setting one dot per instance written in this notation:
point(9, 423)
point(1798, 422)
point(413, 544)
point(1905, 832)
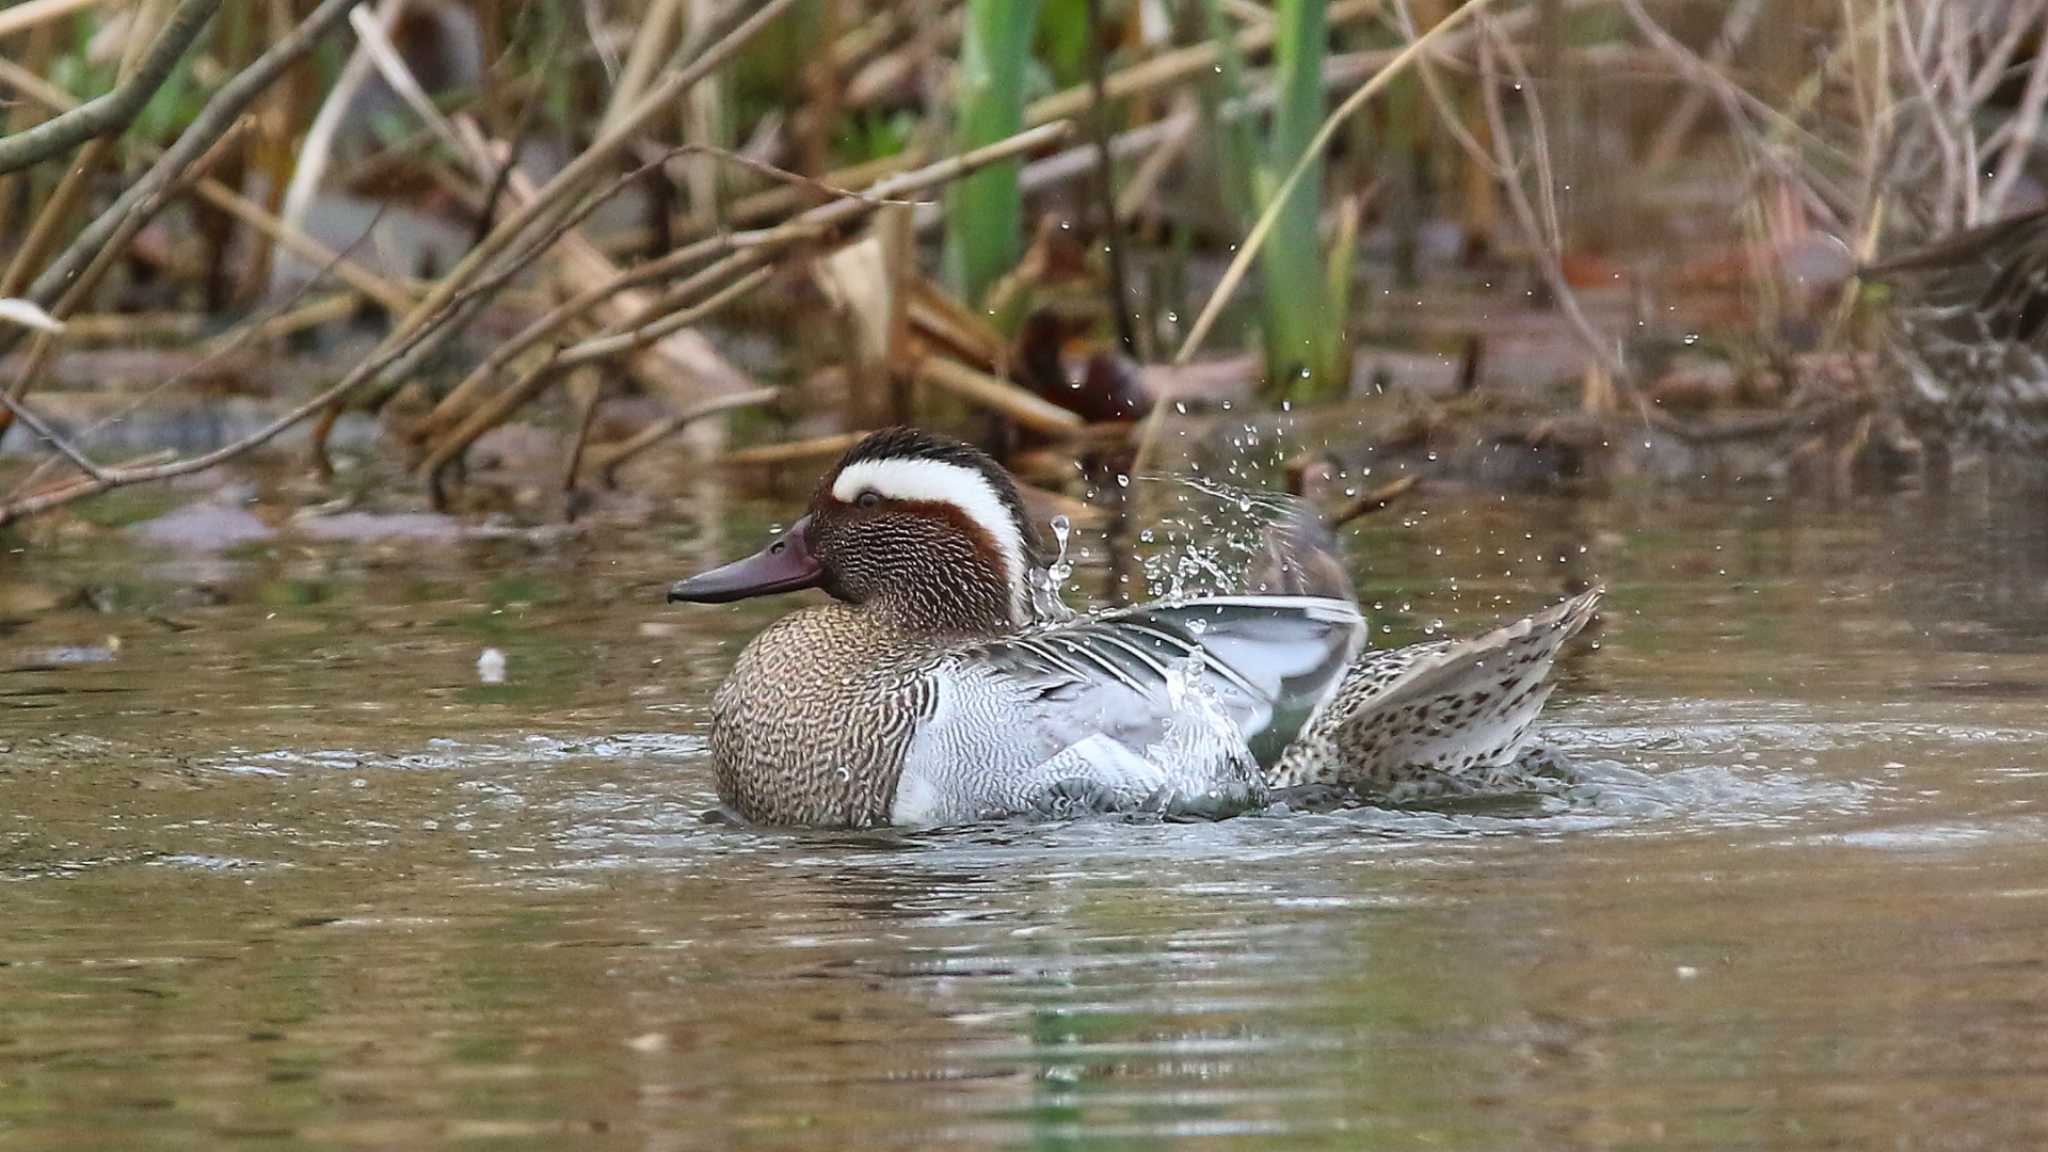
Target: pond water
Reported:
point(278, 868)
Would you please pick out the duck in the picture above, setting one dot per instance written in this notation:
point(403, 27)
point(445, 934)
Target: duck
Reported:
point(1968, 327)
point(930, 689)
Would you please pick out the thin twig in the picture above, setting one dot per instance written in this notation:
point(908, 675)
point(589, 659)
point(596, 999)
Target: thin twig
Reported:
point(650, 44)
point(1543, 235)
point(122, 477)
point(823, 188)
point(1939, 119)
point(33, 12)
point(365, 282)
point(310, 166)
point(35, 87)
point(1992, 73)
point(549, 199)
point(1735, 30)
point(1446, 110)
point(64, 285)
point(1740, 103)
point(20, 410)
point(1105, 185)
point(452, 406)
point(111, 113)
point(1241, 262)
point(83, 171)
point(586, 394)
point(501, 179)
point(387, 293)
point(545, 326)
point(606, 459)
point(646, 333)
point(390, 65)
point(1170, 68)
point(537, 377)
point(2026, 125)
point(218, 351)
point(437, 318)
point(458, 297)
point(114, 227)
point(740, 254)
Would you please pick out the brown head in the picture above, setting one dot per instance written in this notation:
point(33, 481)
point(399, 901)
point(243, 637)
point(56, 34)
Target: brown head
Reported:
point(923, 530)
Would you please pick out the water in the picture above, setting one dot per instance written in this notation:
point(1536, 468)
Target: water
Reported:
point(280, 869)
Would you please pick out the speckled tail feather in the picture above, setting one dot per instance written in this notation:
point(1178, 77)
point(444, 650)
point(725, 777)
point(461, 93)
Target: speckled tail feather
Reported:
point(1435, 718)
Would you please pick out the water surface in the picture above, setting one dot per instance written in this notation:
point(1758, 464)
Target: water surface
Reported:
point(277, 869)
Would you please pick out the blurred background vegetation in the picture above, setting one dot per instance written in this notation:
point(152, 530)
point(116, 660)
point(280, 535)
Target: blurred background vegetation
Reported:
point(527, 251)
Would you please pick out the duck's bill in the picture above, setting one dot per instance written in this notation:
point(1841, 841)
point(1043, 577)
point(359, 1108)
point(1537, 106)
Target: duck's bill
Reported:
point(785, 565)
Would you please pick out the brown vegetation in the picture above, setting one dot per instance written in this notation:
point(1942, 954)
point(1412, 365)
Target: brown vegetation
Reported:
point(1685, 186)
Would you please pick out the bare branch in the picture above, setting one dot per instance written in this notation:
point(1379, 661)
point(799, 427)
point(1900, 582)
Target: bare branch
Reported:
point(112, 113)
point(548, 201)
point(537, 377)
point(606, 459)
point(143, 199)
point(34, 12)
point(1542, 233)
point(633, 339)
point(220, 348)
point(49, 435)
point(2026, 126)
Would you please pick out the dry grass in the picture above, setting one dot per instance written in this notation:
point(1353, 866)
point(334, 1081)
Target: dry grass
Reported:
point(1881, 121)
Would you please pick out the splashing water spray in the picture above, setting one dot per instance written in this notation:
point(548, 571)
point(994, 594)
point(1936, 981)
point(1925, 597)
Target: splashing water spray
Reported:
point(1047, 603)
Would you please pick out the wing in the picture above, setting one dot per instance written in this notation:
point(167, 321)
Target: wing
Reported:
point(1266, 662)
point(1162, 706)
point(1988, 283)
point(1971, 321)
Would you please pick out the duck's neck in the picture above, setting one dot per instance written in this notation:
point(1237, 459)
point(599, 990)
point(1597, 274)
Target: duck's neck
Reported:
point(951, 603)
point(949, 618)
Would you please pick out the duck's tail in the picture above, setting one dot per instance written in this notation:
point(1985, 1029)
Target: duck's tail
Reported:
point(1436, 717)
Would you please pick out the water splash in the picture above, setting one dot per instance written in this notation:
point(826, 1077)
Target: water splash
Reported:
point(1047, 603)
point(1061, 568)
point(1184, 685)
point(1209, 538)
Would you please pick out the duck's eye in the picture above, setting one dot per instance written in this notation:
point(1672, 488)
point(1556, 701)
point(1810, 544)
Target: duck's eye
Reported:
point(868, 499)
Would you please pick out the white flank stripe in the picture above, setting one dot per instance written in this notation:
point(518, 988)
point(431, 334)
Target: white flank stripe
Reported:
point(962, 487)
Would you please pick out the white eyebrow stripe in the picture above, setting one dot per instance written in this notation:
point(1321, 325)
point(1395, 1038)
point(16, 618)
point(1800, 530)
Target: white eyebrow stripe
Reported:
point(962, 487)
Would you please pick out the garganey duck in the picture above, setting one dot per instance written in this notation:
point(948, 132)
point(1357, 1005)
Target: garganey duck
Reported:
point(928, 693)
point(1969, 324)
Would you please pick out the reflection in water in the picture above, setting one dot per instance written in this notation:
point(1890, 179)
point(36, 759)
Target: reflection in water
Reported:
point(1980, 574)
point(283, 869)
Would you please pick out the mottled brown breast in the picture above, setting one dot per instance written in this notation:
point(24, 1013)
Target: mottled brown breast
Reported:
point(813, 724)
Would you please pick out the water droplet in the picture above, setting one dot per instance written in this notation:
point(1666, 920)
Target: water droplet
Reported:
point(1046, 601)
